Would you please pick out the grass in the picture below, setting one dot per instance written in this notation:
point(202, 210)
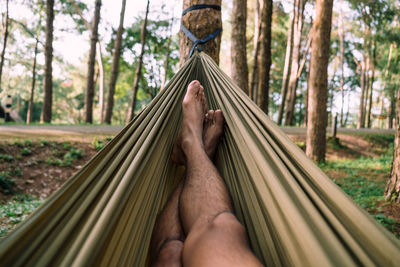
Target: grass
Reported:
point(16, 211)
point(364, 180)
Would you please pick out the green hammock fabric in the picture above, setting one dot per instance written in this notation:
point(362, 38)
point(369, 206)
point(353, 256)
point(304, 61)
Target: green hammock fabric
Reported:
point(293, 213)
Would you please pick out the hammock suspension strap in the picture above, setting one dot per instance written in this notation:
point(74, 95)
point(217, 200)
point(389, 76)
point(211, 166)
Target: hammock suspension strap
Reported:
point(196, 41)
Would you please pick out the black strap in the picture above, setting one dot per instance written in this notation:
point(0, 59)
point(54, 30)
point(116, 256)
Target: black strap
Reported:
point(196, 41)
point(202, 6)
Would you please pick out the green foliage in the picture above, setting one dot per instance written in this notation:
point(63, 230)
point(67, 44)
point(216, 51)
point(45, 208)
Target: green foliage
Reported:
point(97, 144)
point(43, 142)
point(6, 157)
point(25, 151)
point(16, 211)
point(18, 143)
point(68, 158)
point(6, 183)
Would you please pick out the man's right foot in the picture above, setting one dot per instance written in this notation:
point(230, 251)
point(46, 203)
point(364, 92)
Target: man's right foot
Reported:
point(212, 131)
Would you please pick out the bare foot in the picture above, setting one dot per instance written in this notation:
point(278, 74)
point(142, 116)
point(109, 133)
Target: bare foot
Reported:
point(212, 131)
point(193, 110)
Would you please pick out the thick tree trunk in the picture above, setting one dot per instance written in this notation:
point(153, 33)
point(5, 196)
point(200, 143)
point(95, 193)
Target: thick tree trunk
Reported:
point(29, 115)
point(115, 66)
point(5, 37)
point(239, 70)
point(201, 23)
point(298, 10)
point(264, 57)
point(48, 70)
point(317, 115)
point(286, 68)
point(89, 94)
point(138, 72)
point(392, 190)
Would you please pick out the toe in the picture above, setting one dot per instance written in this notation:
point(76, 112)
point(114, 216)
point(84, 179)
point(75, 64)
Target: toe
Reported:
point(194, 88)
point(211, 116)
point(219, 117)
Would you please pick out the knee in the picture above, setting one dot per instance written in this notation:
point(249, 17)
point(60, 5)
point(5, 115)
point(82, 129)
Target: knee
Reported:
point(170, 254)
point(227, 221)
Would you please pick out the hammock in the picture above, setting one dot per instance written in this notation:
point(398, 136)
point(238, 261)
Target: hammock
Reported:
point(293, 213)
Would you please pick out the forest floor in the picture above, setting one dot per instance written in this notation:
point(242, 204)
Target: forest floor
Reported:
point(35, 164)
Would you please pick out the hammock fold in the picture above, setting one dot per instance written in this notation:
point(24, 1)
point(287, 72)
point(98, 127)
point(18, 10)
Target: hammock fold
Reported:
point(294, 214)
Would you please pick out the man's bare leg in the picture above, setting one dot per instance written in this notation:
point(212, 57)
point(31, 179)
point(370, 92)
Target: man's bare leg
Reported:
point(167, 239)
point(214, 235)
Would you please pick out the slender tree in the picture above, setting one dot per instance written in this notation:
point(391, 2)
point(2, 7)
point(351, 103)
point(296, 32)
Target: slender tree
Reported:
point(5, 37)
point(201, 23)
point(298, 11)
point(392, 190)
point(99, 58)
point(317, 114)
point(371, 88)
point(115, 65)
point(48, 70)
point(138, 72)
point(29, 115)
point(286, 68)
point(239, 70)
point(167, 54)
point(89, 94)
point(264, 56)
point(257, 42)
point(341, 45)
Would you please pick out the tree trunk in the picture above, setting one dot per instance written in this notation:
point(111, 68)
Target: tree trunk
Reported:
point(138, 72)
point(166, 62)
point(254, 76)
point(201, 23)
point(89, 94)
point(391, 111)
point(392, 190)
point(48, 70)
point(5, 36)
point(371, 90)
point(264, 56)
point(341, 45)
point(99, 58)
point(286, 68)
point(115, 66)
point(361, 115)
point(317, 115)
point(298, 10)
point(29, 115)
point(239, 70)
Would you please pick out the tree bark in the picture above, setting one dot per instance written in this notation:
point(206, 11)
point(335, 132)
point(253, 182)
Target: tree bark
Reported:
point(99, 58)
point(317, 115)
point(341, 45)
point(361, 114)
point(89, 94)
point(371, 90)
point(115, 66)
point(264, 57)
point(201, 23)
point(239, 69)
point(166, 62)
point(48, 70)
point(29, 115)
point(286, 68)
point(292, 85)
point(138, 72)
point(392, 190)
point(5, 37)
point(254, 76)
